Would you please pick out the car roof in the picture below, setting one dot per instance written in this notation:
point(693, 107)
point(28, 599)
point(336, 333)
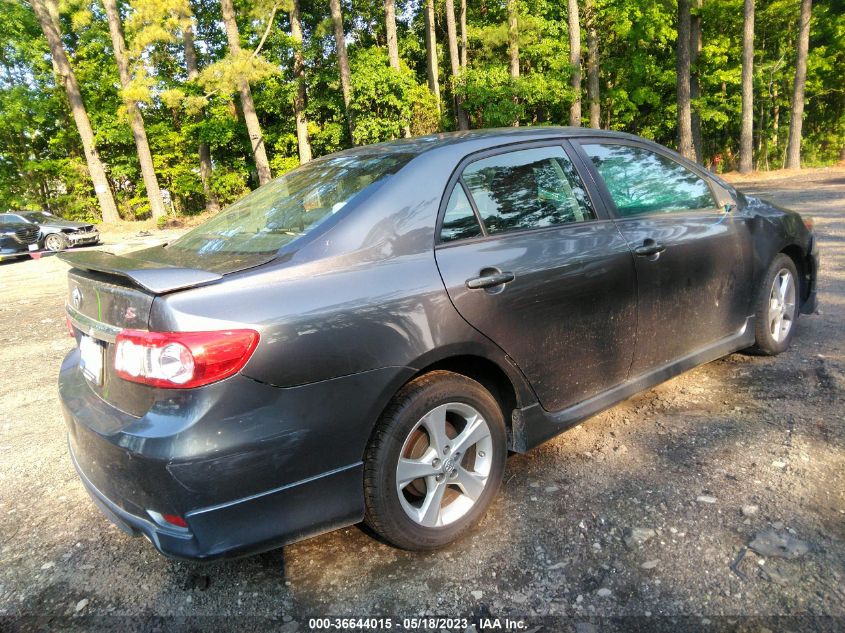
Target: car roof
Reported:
point(479, 138)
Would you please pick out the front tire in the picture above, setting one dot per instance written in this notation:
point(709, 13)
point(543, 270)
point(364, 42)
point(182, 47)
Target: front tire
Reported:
point(777, 306)
point(435, 461)
point(56, 242)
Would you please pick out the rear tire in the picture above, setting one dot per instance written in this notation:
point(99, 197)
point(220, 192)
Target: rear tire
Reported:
point(777, 307)
point(450, 431)
point(56, 242)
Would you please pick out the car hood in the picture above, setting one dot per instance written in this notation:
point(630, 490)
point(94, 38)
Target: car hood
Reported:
point(58, 223)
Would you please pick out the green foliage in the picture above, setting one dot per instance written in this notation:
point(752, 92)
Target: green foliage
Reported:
point(385, 100)
point(41, 159)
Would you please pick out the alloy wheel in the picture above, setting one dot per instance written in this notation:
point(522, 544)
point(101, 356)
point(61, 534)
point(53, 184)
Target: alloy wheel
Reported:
point(54, 242)
point(444, 465)
point(781, 305)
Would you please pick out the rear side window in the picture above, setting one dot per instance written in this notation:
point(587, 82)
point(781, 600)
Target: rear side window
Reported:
point(527, 189)
point(641, 181)
point(459, 221)
point(255, 227)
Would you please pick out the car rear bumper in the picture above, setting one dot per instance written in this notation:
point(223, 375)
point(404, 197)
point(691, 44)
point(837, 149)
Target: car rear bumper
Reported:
point(248, 466)
point(244, 526)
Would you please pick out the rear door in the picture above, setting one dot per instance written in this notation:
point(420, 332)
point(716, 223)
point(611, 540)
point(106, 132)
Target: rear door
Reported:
point(693, 255)
point(533, 263)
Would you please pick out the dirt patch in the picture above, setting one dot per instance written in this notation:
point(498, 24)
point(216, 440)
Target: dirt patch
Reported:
point(697, 468)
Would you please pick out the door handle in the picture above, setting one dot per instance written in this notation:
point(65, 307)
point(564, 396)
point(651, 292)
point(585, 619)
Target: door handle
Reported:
point(649, 248)
point(489, 280)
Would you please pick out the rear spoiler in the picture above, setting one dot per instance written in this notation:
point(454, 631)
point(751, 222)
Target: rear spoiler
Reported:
point(155, 277)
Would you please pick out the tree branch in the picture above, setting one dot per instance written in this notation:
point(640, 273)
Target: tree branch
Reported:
point(267, 30)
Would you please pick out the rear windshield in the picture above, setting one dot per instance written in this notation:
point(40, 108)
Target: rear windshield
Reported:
point(255, 227)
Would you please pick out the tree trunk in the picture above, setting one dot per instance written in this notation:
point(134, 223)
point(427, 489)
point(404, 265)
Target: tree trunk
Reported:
point(575, 63)
point(775, 117)
point(746, 135)
point(390, 24)
point(513, 46)
point(513, 38)
point(342, 61)
point(463, 33)
point(452, 35)
point(793, 149)
point(212, 204)
point(299, 75)
point(593, 65)
point(683, 74)
point(136, 121)
point(763, 155)
point(431, 51)
point(694, 85)
point(256, 139)
point(67, 78)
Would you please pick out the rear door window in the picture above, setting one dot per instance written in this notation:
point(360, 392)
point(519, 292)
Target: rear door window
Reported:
point(641, 181)
point(459, 220)
point(527, 189)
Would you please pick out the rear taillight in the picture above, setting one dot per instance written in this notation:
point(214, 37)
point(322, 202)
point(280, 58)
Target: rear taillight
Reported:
point(70, 329)
point(181, 360)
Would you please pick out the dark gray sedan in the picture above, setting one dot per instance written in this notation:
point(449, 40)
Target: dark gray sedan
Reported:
point(368, 336)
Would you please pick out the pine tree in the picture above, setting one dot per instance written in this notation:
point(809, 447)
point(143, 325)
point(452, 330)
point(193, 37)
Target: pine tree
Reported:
point(256, 138)
point(136, 120)
point(746, 136)
point(593, 65)
point(44, 10)
point(683, 81)
point(793, 149)
point(212, 204)
point(390, 32)
point(431, 52)
point(452, 34)
point(302, 138)
point(342, 61)
point(575, 62)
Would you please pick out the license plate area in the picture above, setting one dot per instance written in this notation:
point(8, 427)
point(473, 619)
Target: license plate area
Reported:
point(91, 355)
point(33, 247)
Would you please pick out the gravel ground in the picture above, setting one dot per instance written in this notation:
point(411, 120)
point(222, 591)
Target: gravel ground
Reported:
point(645, 510)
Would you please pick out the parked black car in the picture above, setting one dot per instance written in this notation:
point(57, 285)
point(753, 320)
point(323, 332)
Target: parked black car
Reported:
point(56, 234)
point(17, 239)
point(367, 336)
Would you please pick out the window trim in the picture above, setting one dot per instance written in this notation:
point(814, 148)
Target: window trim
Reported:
point(604, 192)
point(457, 178)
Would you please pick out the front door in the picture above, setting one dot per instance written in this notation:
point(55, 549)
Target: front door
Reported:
point(530, 262)
point(692, 256)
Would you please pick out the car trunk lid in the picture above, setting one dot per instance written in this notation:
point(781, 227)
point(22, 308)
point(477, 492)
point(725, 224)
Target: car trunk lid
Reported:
point(157, 277)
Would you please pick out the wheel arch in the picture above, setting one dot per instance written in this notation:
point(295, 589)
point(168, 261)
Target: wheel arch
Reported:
point(799, 258)
point(499, 375)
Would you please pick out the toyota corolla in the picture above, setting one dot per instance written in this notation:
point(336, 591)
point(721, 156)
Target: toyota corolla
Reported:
point(366, 337)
